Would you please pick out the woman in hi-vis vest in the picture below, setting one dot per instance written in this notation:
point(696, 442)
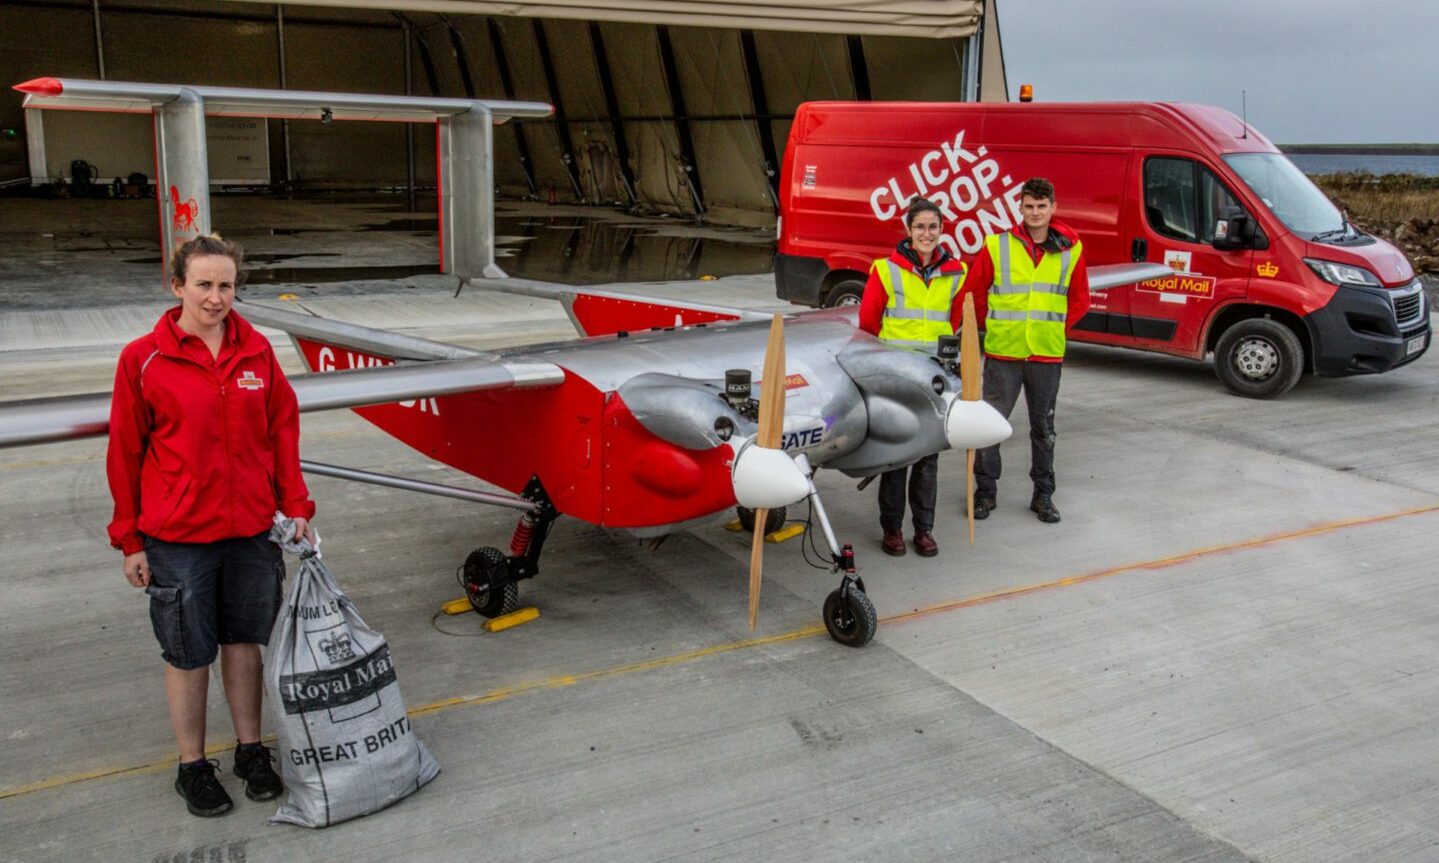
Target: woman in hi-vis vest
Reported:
point(909, 303)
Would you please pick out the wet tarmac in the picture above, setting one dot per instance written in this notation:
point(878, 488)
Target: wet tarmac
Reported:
point(103, 252)
point(580, 250)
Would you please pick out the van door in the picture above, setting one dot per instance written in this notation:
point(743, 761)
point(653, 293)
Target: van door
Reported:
point(1182, 202)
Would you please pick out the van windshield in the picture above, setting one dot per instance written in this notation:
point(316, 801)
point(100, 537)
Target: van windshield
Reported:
point(1287, 193)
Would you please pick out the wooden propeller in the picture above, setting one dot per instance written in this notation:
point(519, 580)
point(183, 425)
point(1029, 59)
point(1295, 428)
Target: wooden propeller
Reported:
point(771, 429)
point(969, 389)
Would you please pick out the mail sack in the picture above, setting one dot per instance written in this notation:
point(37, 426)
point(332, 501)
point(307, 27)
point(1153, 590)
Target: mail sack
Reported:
point(345, 743)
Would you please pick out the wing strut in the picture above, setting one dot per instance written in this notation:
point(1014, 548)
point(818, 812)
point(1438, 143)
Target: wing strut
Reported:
point(407, 484)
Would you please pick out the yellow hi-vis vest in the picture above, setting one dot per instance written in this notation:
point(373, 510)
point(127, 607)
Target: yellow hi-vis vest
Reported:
point(915, 314)
point(1027, 303)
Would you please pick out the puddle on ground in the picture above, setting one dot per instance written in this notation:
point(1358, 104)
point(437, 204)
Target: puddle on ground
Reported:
point(276, 232)
point(327, 275)
point(252, 259)
point(568, 249)
point(577, 250)
point(411, 224)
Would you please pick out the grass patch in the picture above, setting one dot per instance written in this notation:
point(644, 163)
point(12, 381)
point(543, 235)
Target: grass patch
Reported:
point(1383, 200)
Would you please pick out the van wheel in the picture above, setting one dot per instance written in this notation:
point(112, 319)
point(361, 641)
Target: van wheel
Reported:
point(845, 293)
point(1259, 358)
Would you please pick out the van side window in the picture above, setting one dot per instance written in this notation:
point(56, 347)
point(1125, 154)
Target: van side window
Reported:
point(1183, 199)
point(1214, 199)
point(1169, 198)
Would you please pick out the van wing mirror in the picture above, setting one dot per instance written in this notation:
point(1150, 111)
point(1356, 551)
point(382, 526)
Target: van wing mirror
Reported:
point(1234, 230)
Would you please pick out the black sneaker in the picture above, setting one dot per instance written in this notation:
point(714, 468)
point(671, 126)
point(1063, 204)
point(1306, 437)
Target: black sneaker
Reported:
point(252, 764)
point(983, 506)
point(202, 791)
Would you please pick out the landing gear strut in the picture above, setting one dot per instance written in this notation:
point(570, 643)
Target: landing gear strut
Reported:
point(849, 616)
point(491, 578)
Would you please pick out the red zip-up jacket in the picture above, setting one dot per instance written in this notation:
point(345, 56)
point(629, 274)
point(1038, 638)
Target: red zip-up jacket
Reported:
point(201, 448)
point(981, 278)
point(876, 299)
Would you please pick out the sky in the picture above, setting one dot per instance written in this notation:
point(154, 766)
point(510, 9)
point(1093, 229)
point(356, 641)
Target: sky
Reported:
point(1315, 71)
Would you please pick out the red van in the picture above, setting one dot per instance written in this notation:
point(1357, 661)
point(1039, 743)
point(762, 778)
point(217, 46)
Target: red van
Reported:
point(1268, 274)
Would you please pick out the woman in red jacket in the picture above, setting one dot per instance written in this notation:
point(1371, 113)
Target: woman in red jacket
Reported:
point(204, 448)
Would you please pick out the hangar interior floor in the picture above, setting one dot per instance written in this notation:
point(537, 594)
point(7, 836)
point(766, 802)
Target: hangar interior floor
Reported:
point(1224, 651)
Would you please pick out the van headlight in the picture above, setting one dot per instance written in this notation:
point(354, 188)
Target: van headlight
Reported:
point(1336, 273)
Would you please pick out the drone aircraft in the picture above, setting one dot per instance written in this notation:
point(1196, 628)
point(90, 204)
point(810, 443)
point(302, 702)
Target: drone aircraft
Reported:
point(649, 422)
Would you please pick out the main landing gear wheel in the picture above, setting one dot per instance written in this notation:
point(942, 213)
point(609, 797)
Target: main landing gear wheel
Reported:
point(773, 521)
point(484, 569)
point(849, 616)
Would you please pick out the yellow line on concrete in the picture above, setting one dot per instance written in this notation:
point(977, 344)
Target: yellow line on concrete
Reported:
point(1158, 563)
point(563, 680)
point(52, 462)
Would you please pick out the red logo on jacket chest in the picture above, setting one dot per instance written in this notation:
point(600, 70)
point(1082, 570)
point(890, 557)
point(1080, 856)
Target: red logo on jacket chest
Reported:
point(248, 381)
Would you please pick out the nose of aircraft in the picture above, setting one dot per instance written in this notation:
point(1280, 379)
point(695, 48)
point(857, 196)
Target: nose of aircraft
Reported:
point(974, 425)
point(766, 478)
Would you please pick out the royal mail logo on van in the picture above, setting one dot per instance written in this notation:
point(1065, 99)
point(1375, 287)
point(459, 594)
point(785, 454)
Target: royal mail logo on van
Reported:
point(248, 381)
point(1267, 269)
point(973, 193)
point(1183, 284)
point(1178, 261)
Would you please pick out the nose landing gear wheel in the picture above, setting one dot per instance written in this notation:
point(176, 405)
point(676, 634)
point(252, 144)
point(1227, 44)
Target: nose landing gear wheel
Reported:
point(850, 617)
point(487, 583)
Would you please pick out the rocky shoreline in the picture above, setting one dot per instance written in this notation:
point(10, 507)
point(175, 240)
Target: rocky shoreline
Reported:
point(1417, 238)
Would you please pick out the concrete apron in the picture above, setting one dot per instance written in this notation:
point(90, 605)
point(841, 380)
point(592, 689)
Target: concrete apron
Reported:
point(1222, 652)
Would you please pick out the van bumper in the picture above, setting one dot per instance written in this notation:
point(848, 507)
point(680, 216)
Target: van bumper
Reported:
point(799, 279)
point(1357, 333)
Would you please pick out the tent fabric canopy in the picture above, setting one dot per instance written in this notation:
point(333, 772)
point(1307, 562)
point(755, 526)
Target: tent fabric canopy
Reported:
point(935, 19)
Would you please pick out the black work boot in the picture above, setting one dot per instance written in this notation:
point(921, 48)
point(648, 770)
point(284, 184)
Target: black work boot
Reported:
point(203, 794)
point(1044, 507)
point(252, 764)
point(983, 506)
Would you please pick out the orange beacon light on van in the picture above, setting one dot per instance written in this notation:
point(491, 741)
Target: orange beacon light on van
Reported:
point(1026, 92)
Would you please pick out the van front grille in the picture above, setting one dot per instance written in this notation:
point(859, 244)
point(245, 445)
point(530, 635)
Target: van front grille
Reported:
point(1409, 305)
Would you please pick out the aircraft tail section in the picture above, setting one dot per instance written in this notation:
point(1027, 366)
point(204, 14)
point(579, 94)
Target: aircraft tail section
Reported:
point(600, 312)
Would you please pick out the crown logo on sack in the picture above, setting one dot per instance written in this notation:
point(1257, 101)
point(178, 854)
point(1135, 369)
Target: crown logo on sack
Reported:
point(1267, 269)
point(337, 647)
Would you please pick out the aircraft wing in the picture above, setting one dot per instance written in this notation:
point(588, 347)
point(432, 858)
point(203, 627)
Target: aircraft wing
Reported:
point(600, 312)
point(138, 98)
point(44, 420)
point(1106, 276)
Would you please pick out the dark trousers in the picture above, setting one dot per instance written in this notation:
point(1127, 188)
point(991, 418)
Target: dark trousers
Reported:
point(923, 490)
point(1002, 382)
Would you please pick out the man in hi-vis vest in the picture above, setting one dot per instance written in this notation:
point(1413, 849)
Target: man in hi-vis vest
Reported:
point(1031, 287)
point(909, 303)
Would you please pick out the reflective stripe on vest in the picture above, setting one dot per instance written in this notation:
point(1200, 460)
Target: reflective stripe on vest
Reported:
point(1027, 302)
point(915, 314)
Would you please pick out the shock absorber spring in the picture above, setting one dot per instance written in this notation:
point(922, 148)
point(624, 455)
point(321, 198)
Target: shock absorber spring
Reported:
point(520, 542)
